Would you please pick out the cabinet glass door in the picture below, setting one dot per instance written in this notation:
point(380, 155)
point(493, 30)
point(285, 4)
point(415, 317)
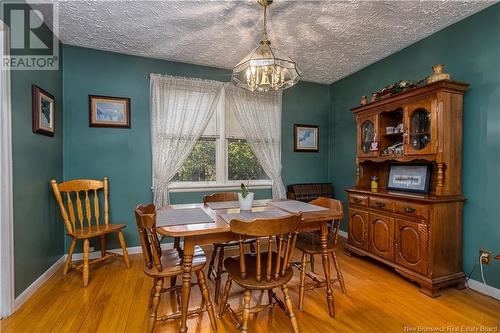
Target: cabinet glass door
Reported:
point(420, 129)
point(367, 135)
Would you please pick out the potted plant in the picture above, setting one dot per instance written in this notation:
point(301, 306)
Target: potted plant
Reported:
point(245, 198)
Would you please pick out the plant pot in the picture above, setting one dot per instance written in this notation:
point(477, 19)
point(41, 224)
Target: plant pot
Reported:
point(245, 203)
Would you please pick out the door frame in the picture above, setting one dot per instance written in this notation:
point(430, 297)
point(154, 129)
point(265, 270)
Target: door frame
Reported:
point(6, 196)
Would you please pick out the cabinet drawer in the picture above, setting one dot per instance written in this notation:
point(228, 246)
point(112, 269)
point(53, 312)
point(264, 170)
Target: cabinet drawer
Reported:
point(382, 203)
point(411, 209)
point(360, 200)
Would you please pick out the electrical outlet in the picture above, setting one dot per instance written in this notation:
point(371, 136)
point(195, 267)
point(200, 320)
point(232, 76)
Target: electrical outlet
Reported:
point(485, 257)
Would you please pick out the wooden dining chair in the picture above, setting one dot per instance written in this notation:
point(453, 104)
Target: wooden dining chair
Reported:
point(309, 244)
point(160, 264)
point(263, 270)
point(218, 248)
point(85, 193)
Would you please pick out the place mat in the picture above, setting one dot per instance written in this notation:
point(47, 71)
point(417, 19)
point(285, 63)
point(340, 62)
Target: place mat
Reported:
point(232, 204)
point(252, 215)
point(294, 206)
point(172, 217)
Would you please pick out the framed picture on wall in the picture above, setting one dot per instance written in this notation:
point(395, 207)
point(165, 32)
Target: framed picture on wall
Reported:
point(43, 111)
point(409, 177)
point(106, 111)
point(305, 138)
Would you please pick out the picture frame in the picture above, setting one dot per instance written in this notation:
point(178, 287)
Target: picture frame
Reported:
point(409, 178)
point(108, 111)
point(43, 111)
point(305, 138)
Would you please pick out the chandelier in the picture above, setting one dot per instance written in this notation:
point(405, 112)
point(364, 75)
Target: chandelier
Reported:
point(265, 69)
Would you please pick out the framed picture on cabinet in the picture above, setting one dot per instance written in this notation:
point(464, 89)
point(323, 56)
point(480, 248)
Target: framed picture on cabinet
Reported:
point(43, 111)
point(306, 138)
point(409, 178)
point(106, 111)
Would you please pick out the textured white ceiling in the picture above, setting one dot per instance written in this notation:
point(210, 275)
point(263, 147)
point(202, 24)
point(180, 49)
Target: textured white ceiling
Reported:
point(328, 39)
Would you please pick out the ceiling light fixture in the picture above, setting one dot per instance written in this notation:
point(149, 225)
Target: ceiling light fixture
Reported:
point(265, 69)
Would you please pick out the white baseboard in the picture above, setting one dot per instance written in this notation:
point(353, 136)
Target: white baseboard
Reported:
point(28, 292)
point(343, 234)
point(484, 289)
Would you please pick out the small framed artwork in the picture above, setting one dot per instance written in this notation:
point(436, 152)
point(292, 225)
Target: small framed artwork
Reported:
point(106, 111)
point(409, 178)
point(43, 112)
point(306, 138)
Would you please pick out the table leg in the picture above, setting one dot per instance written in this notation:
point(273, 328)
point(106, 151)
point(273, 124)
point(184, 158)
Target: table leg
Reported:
point(187, 261)
point(326, 268)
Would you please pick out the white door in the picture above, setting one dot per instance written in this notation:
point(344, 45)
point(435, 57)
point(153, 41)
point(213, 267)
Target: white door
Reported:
point(6, 224)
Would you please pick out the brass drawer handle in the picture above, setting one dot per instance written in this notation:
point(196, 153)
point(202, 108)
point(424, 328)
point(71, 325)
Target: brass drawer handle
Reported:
point(380, 204)
point(409, 210)
point(357, 200)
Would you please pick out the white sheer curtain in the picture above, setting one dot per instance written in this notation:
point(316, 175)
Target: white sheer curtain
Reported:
point(180, 110)
point(6, 210)
point(260, 118)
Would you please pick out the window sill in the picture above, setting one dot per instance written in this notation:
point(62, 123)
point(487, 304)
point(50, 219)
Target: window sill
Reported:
point(201, 187)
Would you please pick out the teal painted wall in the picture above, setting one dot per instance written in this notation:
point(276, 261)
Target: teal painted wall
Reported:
point(124, 155)
point(38, 230)
point(470, 49)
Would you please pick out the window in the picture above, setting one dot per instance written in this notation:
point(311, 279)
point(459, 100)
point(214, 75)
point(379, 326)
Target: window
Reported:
point(221, 157)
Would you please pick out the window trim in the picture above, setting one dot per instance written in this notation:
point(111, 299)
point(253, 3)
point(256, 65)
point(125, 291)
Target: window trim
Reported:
point(221, 163)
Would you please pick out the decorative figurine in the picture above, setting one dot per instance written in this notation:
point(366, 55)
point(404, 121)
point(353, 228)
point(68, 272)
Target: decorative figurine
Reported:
point(374, 184)
point(363, 100)
point(438, 74)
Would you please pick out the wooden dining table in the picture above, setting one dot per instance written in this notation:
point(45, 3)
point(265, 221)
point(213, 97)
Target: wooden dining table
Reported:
point(220, 231)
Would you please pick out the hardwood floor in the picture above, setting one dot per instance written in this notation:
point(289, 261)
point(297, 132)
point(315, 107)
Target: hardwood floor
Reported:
point(377, 300)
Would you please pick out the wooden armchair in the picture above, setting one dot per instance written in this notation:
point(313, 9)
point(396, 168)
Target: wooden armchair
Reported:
point(160, 264)
point(89, 226)
point(220, 247)
point(263, 270)
point(309, 244)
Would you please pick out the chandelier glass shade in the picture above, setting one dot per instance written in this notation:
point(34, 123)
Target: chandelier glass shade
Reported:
point(265, 69)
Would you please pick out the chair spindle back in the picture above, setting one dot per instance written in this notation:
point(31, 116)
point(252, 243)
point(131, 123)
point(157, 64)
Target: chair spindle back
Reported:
point(280, 232)
point(145, 217)
point(72, 189)
point(336, 206)
point(221, 196)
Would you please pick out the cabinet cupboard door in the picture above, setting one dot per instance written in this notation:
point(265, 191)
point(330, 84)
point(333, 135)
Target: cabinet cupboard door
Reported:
point(411, 245)
point(367, 138)
point(382, 236)
point(358, 228)
point(421, 128)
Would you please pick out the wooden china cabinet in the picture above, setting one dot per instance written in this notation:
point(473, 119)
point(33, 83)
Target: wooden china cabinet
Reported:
point(419, 235)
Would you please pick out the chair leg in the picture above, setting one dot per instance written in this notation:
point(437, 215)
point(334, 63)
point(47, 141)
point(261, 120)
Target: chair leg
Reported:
point(124, 248)
point(311, 260)
point(67, 264)
point(86, 249)
point(246, 311)
point(289, 307)
point(336, 263)
point(212, 261)
point(154, 307)
point(219, 275)
point(103, 245)
point(303, 266)
point(270, 295)
point(151, 295)
point(225, 297)
point(206, 298)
